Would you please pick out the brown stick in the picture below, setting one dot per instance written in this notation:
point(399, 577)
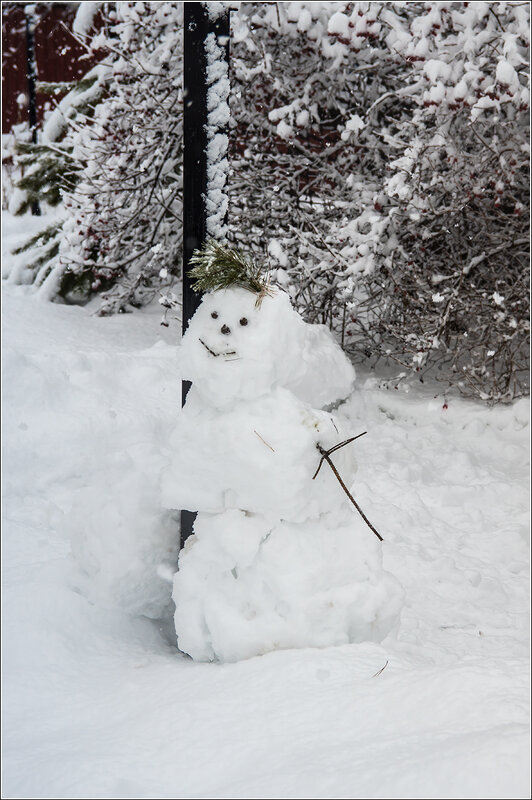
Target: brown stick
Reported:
point(325, 456)
point(381, 670)
point(232, 353)
point(336, 447)
point(264, 440)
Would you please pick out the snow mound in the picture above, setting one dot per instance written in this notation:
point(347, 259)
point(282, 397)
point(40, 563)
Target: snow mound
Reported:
point(259, 455)
point(236, 348)
point(91, 695)
point(124, 543)
point(246, 587)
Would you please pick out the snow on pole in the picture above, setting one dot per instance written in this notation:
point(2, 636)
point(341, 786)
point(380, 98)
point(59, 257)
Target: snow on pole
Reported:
point(206, 114)
point(217, 73)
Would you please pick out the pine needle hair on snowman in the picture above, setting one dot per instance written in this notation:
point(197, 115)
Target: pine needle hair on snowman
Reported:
point(218, 266)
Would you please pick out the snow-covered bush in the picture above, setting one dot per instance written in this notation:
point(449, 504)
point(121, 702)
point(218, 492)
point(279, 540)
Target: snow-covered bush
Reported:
point(99, 154)
point(457, 286)
point(456, 289)
point(381, 155)
point(43, 172)
point(113, 146)
point(124, 216)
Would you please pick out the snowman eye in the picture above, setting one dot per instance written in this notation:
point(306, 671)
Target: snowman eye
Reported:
point(214, 315)
point(243, 321)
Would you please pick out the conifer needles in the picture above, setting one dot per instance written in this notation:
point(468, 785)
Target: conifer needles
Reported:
point(218, 266)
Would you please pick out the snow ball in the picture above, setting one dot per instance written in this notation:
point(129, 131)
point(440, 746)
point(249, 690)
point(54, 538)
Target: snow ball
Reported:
point(215, 10)
point(436, 93)
point(284, 131)
point(353, 125)
point(483, 104)
point(305, 20)
point(274, 347)
point(435, 69)
point(506, 74)
point(259, 455)
point(246, 586)
point(293, 11)
point(339, 25)
point(85, 17)
point(282, 277)
point(275, 249)
point(239, 29)
point(397, 186)
point(460, 90)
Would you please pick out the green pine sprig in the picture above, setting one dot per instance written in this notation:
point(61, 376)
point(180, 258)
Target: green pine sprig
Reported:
point(218, 266)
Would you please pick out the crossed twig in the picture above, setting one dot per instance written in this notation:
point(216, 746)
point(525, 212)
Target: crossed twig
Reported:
point(325, 456)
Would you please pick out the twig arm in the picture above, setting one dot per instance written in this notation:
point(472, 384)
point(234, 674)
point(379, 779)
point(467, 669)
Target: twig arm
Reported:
point(336, 447)
point(325, 457)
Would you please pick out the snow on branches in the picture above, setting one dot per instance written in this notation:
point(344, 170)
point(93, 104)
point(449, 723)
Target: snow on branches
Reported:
point(383, 149)
point(124, 217)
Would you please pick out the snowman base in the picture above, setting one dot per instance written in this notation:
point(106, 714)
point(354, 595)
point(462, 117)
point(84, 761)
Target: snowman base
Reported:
point(247, 585)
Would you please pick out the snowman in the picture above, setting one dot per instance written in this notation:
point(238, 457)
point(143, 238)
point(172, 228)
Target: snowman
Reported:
point(278, 558)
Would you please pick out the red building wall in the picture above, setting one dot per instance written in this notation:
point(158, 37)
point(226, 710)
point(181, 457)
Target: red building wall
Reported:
point(58, 56)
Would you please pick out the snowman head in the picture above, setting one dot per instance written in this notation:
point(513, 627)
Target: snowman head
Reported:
point(238, 348)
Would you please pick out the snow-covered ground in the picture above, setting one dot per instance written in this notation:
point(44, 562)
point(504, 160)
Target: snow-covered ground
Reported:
point(98, 702)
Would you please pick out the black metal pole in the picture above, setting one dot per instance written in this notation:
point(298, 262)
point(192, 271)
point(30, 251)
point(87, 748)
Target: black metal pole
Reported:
point(197, 26)
point(32, 99)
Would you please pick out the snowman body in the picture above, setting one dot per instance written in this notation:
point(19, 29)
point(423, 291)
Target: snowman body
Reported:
point(278, 557)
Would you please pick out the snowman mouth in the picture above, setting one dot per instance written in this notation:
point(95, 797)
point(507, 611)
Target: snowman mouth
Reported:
point(222, 353)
